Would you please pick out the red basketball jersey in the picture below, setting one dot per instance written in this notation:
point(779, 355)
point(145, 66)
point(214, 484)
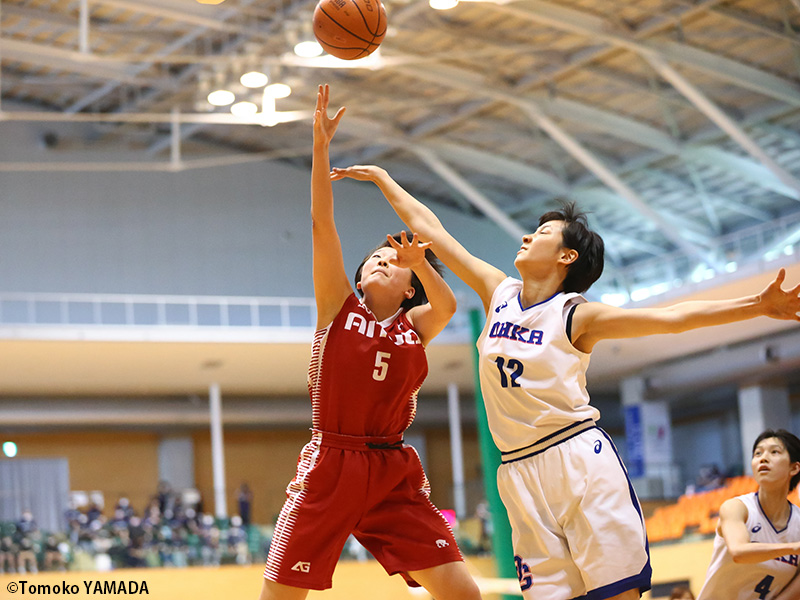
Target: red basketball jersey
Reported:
point(364, 375)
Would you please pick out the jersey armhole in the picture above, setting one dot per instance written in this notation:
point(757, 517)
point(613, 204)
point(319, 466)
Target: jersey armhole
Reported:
point(569, 322)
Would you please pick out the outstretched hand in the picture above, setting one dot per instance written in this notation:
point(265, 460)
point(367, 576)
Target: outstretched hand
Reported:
point(410, 255)
point(357, 172)
point(779, 303)
point(325, 127)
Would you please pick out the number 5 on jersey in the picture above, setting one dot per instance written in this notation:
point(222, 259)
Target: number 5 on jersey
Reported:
point(381, 365)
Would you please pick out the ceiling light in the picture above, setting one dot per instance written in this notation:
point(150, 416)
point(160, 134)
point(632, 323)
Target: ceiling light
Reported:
point(210, 1)
point(10, 449)
point(254, 79)
point(221, 98)
point(443, 4)
point(244, 109)
point(308, 49)
point(277, 90)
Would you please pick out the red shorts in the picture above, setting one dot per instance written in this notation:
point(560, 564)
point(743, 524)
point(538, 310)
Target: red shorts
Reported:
point(380, 495)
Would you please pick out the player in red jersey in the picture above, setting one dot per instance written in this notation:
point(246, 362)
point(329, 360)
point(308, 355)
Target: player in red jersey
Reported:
point(368, 362)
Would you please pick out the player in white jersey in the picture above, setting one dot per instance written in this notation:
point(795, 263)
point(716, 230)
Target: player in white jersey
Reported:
point(578, 530)
point(757, 545)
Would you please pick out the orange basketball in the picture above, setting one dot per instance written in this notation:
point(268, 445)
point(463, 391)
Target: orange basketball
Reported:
point(349, 29)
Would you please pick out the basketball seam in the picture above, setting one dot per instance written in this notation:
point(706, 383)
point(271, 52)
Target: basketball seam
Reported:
point(358, 37)
point(363, 18)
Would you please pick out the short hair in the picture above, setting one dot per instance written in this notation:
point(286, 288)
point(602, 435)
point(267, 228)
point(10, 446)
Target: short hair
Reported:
point(792, 444)
point(577, 236)
point(419, 297)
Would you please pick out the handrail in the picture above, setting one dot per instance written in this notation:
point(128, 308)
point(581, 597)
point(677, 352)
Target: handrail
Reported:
point(37, 309)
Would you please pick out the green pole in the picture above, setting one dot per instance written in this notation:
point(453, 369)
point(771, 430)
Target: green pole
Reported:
point(491, 459)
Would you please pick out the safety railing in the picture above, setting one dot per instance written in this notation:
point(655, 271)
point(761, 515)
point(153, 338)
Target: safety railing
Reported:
point(144, 310)
point(154, 310)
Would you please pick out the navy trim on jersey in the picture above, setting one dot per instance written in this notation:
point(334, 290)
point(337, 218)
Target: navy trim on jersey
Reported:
point(540, 450)
point(547, 437)
point(641, 580)
point(569, 322)
point(519, 299)
point(791, 512)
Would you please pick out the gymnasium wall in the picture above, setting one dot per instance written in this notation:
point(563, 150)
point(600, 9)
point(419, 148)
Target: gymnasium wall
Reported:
point(125, 463)
point(238, 230)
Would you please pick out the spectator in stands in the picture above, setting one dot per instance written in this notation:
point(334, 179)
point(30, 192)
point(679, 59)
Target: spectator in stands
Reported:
point(245, 498)
point(26, 524)
point(236, 541)
point(8, 555)
point(757, 544)
point(26, 557)
point(681, 593)
point(709, 478)
point(53, 557)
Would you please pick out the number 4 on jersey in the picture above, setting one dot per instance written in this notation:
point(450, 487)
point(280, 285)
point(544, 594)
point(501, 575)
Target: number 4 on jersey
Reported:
point(762, 589)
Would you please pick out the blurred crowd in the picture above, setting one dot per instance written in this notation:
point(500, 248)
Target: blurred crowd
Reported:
point(167, 532)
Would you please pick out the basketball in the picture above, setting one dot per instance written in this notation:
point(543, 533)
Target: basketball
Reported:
point(349, 29)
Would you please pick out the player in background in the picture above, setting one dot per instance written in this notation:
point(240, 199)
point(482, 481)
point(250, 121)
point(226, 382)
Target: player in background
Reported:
point(757, 544)
point(368, 362)
point(577, 526)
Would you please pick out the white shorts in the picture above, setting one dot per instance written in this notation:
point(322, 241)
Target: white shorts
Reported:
point(578, 529)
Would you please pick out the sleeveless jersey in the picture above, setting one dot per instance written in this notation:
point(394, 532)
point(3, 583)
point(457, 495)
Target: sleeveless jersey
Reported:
point(364, 374)
point(533, 379)
point(727, 580)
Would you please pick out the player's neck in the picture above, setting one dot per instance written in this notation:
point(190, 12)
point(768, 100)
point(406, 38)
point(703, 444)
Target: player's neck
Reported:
point(382, 308)
point(536, 290)
point(775, 505)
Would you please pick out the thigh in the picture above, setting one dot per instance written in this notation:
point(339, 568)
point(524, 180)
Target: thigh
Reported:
point(545, 567)
point(604, 525)
point(450, 581)
point(402, 528)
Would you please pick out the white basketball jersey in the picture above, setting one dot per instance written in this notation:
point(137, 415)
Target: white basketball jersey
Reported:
point(533, 379)
point(727, 580)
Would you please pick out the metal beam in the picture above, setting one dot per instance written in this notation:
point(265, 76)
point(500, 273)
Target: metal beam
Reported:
point(475, 197)
point(599, 28)
point(743, 167)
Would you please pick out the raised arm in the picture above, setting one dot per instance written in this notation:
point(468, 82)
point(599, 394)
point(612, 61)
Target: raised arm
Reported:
point(331, 286)
point(733, 529)
point(430, 318)
point(594, 321)
point(476, 273)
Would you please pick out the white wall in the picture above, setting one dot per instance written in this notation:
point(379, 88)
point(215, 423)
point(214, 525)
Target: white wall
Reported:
point(239, 230)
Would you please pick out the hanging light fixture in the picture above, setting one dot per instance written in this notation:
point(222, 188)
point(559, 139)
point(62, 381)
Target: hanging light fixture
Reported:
point(277, 90)
point(221, 97)
point(244, 109)
point(254, 79)
point(210, 1)
point(306, 45)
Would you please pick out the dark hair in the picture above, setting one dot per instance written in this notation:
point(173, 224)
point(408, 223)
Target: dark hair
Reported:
point(419, 297)
point(577, 236)
point(792, 444)
point(680, 591)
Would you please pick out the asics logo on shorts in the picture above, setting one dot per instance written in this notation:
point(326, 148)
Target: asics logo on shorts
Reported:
point(442, 543)
point(598, 446)
point(302, 567)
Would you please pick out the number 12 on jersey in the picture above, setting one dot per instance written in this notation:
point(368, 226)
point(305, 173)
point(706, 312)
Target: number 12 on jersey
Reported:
point(508, 369)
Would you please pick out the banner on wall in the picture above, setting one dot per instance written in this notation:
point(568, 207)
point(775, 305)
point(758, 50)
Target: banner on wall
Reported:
point(634, 440)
